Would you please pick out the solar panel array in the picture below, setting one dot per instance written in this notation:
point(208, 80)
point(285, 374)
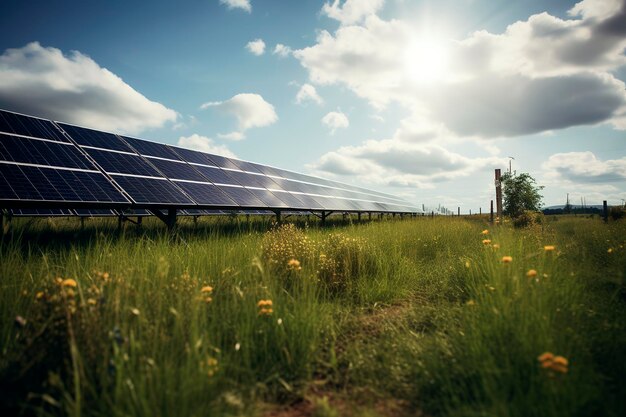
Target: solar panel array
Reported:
point(47, 165)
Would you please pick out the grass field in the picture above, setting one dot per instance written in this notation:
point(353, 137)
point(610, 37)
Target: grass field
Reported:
point(434, 317)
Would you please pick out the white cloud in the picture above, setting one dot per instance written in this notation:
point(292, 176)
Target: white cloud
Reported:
point(585, 167)
point(308, 93)
point(204, 144)
point(73, 88)
point(352, 11)
point(400, 164)
point(282, 50)
point(541, 74)
point(238, 4)
point(251, 110)
point(232, 136)
point(256, 47)
point(335, 120)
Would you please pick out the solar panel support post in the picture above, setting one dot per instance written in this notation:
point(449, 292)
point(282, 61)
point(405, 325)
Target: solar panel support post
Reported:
point(82, 223)
point(278, 213)
point(169, 219)
point(370, 216)
point(359, 216)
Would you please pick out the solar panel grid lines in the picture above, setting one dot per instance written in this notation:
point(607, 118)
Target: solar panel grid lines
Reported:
point(145, 173)
point(29, 126)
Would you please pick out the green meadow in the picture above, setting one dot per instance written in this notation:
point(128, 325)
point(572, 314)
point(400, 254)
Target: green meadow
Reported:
point(235, 317)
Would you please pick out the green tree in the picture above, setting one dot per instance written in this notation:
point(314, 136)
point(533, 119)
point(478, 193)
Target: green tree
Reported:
point(520, 193)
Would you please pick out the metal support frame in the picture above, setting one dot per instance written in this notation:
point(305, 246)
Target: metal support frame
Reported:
point(169, 219)
point(278, 216)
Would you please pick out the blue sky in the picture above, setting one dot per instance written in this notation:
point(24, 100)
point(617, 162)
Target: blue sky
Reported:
point(422, 99)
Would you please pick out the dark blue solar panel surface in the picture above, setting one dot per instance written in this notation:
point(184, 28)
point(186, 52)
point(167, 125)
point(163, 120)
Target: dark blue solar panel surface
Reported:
point(41, 152)
point(270, 187)
point(217, 175)
point(32, 183)
point(42, 212)
point(252, 180)
point(268, 198)
point(152, 191)
point(177, 170)
point(206, 194)
point(193, 157)
point(29, 126)
point(122, 163)
point(242, 197)
point(95, 213)
point(95, 138)
point(222, 161)
point(147, 148)
point(289, 199)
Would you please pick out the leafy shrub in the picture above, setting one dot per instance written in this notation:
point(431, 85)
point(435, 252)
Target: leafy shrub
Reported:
point(340, 259)
point(285, 243)
point(528, 219)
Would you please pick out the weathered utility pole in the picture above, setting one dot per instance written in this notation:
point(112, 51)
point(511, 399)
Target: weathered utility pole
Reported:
point(498, 183)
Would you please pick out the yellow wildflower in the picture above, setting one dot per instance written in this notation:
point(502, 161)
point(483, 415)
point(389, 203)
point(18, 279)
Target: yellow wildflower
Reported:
point(531, 273)
point(265, 311)
point(496, 246)
point(610, 250)
point(263, 303)
point(39, 295)
point(69, 282)
point(507, 259)
point(294, 264)
point(135, 311)
point(484, 232)
point(549, 248)
point(91, 301)
point(546, 356)
point(486, 241)
point(206, 289)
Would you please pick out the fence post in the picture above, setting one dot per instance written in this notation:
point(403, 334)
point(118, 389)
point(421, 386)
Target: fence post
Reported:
point(491, 216)
point(498, 194)
point(605, 211)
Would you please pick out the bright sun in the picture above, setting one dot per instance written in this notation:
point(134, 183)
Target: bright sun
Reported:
point(426, 59)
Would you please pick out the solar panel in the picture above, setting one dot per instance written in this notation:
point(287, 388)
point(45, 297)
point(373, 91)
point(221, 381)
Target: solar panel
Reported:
point(122, 163)
point(193, 157)
point(156, 191)
point(37, 212)
point(242, 197)
point(41, 152)
point(29, 126)
point(30, 183)
point(217, 175)
point(43, 161)
point(207, 194)
point(268, 198)
point(151, 148)
point(177, 170)
point(95, 213)
point(95, 138)
point(221, 161)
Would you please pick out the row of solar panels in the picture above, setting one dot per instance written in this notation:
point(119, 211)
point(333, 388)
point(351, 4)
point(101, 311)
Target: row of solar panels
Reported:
point(45, 164)
point(60, 212)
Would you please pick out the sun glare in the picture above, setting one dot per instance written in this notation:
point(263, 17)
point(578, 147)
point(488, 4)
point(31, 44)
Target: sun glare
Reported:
point(426, 59)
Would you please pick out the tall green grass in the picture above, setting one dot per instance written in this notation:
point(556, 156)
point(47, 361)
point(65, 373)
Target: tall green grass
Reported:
point(418, 313)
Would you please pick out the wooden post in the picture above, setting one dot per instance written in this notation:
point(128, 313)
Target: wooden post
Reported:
point(605, 211)
point(480, 210)
point(458, 211)
point(491, 215)
point(498, 194)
